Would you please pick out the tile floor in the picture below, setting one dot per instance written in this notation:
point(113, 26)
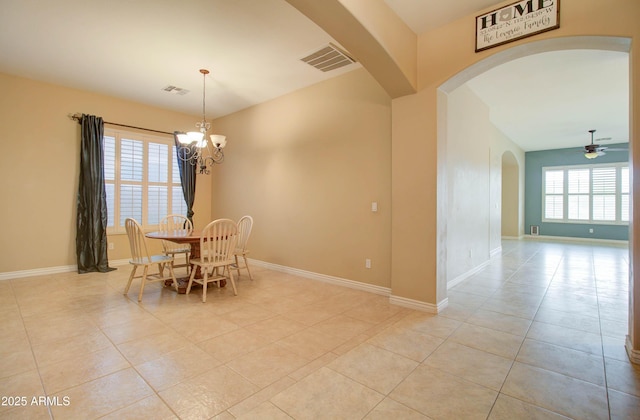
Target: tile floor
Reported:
point(537, 334)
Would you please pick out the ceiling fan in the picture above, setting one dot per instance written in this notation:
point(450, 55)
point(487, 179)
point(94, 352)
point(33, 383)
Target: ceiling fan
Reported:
point(592, 151)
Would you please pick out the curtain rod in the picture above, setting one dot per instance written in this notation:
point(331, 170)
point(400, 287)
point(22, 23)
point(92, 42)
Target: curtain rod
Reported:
point(78, 118)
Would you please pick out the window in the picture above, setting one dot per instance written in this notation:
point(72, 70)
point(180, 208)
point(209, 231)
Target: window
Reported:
point(554, 198)
point(142, 179)
point(586, 194)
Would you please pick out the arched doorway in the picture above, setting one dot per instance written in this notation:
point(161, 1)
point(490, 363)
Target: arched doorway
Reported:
point(443, 183)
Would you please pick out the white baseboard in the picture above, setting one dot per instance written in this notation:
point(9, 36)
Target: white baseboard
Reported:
point(37, 272)
point(634, 355)
point(379, 290)
point(117, 263)
point(419, 305)
point(384, 291)
point(50, 270)
point(462, 277)
point(496, 251)
point(574, 239)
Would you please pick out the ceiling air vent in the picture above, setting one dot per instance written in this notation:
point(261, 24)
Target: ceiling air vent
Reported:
point(175, 90)
point(328, 58)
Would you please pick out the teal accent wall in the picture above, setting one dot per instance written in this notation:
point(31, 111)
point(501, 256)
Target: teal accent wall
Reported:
point(534, 162)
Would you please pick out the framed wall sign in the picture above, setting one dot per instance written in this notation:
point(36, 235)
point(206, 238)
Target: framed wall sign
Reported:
point(515, 21)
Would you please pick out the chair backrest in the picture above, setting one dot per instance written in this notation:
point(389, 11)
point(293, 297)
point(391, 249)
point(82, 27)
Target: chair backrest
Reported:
point(136, 240)
point(174, 223)
point(245, 224)
point(218, 241)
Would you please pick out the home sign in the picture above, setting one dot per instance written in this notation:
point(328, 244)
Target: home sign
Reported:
point(515, 21)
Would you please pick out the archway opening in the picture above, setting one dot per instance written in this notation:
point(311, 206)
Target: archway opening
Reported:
point(449, 165)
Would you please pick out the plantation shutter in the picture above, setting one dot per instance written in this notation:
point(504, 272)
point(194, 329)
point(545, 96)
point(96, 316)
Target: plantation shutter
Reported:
point(604, 194)
point(131, 169)
point(554, 194)
point(578, 194)
point(157, 189)
point(624, 194)
point(109, 155)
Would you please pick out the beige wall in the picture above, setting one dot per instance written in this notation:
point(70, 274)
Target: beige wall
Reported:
point(512, 178)
point(415, 199)
point(307, 167)
point(468, 178)
point(507, 189)
point(39, 168)
point(473, 176)
point(507, 174)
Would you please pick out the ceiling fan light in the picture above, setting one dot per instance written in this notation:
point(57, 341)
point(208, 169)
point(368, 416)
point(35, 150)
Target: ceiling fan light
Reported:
point(591, 155)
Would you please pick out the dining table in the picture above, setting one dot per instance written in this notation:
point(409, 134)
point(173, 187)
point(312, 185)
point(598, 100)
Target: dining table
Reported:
point(183, 237)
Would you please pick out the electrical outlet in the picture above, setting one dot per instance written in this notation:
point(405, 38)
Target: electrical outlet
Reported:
point(591, 230)
point(367, 263)
point(111, 245)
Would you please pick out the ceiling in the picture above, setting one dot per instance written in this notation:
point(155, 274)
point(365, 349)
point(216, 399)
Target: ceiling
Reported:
point(551, 100)
point(135, 49)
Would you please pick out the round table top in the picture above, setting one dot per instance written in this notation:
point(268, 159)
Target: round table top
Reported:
point(179, 236)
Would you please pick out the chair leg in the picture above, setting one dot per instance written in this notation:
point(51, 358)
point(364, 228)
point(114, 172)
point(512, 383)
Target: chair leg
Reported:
point(193, 274)
point(204, 286)
point(173, 277)
point(133, 272)
point(142, 282)
point(237, 265)
point(246, 264)
point(170, 268)
point(233, 283)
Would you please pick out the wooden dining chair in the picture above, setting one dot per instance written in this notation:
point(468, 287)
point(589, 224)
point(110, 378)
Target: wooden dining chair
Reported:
point(173, 224)
point(245, 224)
point(140, 258)
point(217, 243)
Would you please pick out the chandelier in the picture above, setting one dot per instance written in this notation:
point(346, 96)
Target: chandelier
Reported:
point(194, 146)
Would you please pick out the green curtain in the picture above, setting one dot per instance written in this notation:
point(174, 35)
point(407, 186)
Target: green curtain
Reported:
point(91, 225)
point(187, 173)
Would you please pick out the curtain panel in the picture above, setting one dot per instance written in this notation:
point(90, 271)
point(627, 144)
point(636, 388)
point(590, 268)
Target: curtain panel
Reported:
point(91, 226)
point(187, 173)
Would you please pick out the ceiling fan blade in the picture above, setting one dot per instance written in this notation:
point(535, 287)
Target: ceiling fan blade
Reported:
point(614, 149)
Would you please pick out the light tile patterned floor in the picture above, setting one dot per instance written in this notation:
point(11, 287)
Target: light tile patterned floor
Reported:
point(537, 334)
